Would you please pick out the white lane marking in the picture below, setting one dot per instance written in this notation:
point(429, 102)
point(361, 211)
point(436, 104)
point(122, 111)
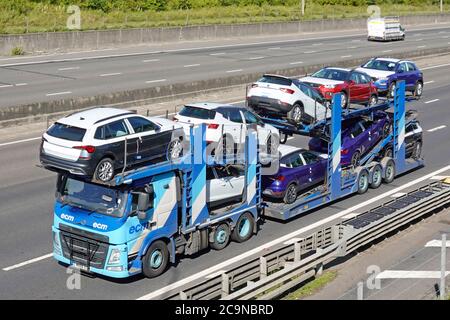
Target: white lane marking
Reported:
point(428, 82)
point(257, 58)
point(6, 86)
point(437, 243)
point(217, 54)
point(18, 141)
point(154, 81)
point(445, 37)
point(356, 40)
point(413, 274)
point(385, 51)
point(293, 240)
point(110, 74)
point(235, 70)
point(150, 60)
point(274, 48)
point(419, 39)
point(431, 101)
point(347, 56)
point(350, 216)
point(440, 32)
point(439, 177)
point(215, 274)
point(437, 66)
point(296, 62)
point(398, 195)
point(58, 93)
point(28, 262)
point(307, 52)
point(421, 46)
point(286, 237)
point(317, 44)
point(437, 128)
point(68, 68)
point(191, 65)
point(21, 84)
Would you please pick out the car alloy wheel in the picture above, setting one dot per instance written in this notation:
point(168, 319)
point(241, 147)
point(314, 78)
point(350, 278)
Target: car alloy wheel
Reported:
point(373, 100)
point(392, 90)
point(297, 113)
point(175, 150)
point(355, 159)
point(343, 99)
point(418, 90)
point(105, 170)
point(291, 194)
point(417, 150)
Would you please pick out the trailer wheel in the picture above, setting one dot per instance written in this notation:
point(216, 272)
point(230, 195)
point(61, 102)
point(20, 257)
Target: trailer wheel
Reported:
point(377, 176)
point(389, 173)
point(244, 228)
point(155, 260)
point(363, 181)
point(221, 237)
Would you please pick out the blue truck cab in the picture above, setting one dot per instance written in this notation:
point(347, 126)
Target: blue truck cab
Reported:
point(141, 221)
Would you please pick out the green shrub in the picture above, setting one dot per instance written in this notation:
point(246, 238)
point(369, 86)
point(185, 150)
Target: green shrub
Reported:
point(17, 51)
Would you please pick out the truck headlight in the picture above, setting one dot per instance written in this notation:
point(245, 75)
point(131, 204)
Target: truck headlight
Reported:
point(56, 240)
point(114, 257)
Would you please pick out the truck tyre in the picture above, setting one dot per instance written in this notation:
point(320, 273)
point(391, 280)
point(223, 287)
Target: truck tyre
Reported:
point(156, 259)
point(104, 171)
point(363, 181)
point(221, 237)
point(244, 228)
point(389, 171)
point(297, 114)
point(376, 174)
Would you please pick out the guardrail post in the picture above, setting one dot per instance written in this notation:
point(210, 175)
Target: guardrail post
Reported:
point(319, 270)
point(297, 252)
point(262, 267)
point(225, 285)
point(183, 295)
point(443, 266)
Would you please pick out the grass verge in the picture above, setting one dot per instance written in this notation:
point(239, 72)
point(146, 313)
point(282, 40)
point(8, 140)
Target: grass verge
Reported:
point(312, 287)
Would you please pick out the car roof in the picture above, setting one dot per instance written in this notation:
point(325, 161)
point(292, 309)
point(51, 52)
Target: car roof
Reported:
point(337, 68)
point(285, 149)
point(86, 118)
point(388, 59)
point(211, 105)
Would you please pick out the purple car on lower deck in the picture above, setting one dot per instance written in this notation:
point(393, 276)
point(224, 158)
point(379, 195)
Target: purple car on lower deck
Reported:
point(299, 170)
point(359, 135)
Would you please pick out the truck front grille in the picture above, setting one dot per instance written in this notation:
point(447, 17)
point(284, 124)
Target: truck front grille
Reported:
point(81, 249)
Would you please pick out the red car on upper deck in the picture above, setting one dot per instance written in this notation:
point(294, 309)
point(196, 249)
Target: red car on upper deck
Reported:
point(355, 86)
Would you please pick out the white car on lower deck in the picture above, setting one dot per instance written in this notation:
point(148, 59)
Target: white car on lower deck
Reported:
point(229, 123)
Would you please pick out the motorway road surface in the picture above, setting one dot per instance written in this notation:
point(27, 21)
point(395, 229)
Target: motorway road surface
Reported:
point(26, 201)
point(26, 80)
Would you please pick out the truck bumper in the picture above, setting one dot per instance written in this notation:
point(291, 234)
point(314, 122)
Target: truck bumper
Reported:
point(122, 269)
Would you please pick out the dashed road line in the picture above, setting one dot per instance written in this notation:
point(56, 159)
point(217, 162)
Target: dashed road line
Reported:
point(151, 60)
point(68, 68)
point(111, 74)
point(431, 101)
point(191, 65)
point(46, 256)
point(296, 62)
point(58, 93)
point(235, 70)
point(437, 128)
point(155, 81)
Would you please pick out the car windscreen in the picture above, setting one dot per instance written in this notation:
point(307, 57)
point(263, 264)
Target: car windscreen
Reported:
point(66, 132)
point(382, 65)
point(276, 80)
point(333, 74)
point(93, 197)
point(199, 113)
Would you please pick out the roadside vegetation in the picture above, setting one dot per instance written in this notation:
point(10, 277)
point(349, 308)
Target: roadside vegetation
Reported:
point(22, 16)
point(312, 287)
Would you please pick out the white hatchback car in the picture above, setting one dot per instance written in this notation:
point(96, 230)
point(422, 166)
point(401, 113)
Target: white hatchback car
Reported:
point(228, 123)
point(224, 184)
point(299, 102)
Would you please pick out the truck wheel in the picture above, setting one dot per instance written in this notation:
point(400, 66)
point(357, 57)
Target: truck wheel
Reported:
point(155, 260)
point(244, 228)
point(221, 237)
point(363, 181)
point(377, 176)
point(417, 150)
point(104, 170)
point(389, 173)
point(297, 114)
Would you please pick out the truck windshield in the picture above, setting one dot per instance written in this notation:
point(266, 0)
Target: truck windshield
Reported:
point(382, 65)
point(93, 197)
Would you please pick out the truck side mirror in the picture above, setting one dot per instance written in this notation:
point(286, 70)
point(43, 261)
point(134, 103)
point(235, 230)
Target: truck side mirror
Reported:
point(143, 205)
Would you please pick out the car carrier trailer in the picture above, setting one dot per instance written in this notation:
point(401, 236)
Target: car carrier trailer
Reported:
point(163, 212)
